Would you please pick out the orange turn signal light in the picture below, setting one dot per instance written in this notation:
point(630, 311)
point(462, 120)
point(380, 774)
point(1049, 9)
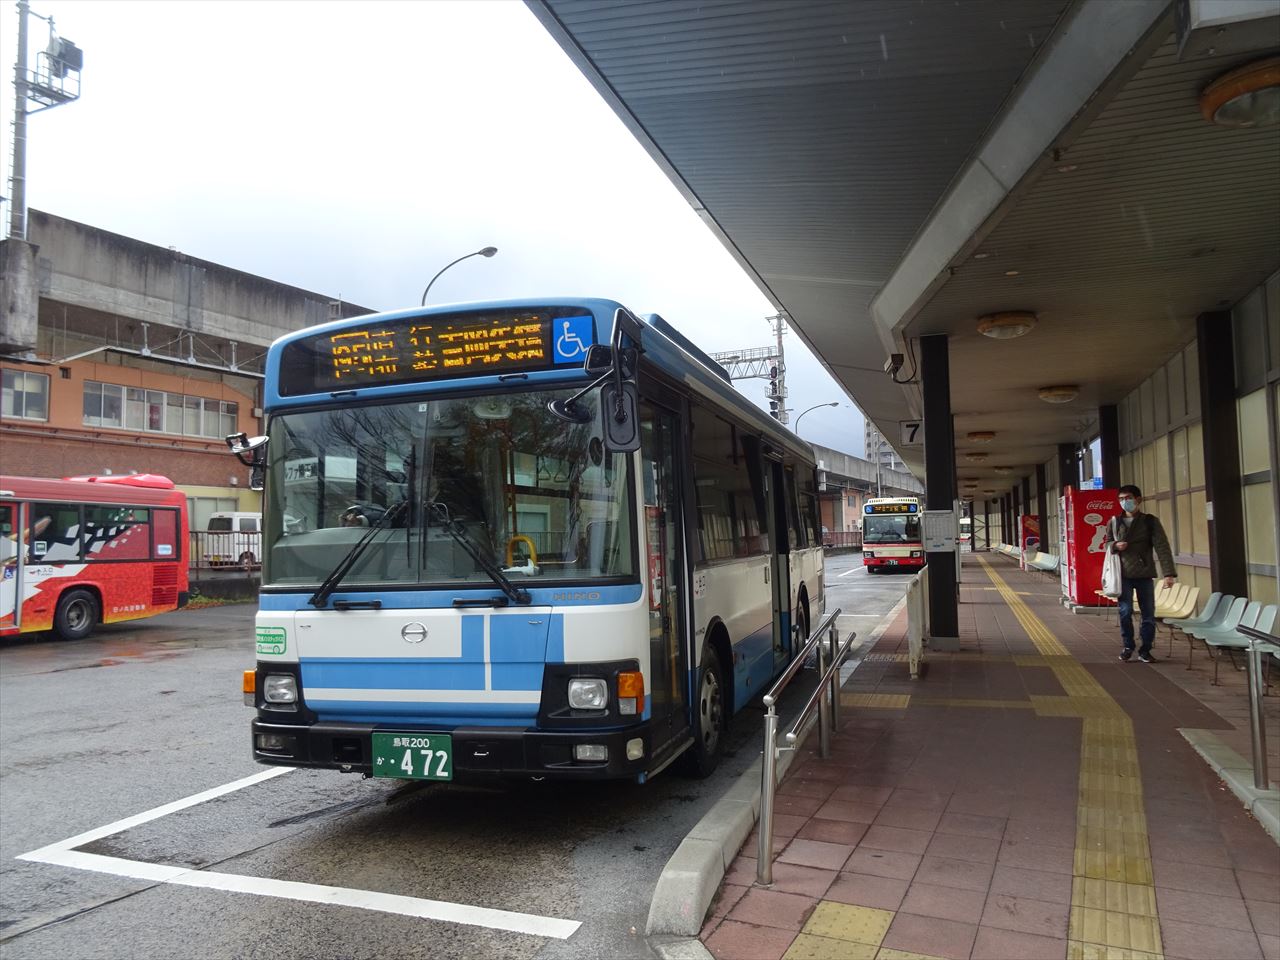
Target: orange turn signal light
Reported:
point(250, 681)
point(631, 684)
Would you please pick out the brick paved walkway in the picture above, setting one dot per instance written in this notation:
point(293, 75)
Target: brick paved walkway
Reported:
point(1030, 797)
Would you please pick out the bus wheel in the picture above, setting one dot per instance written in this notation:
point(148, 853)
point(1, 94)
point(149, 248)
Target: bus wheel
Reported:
point(709, 718)
point(76, 616)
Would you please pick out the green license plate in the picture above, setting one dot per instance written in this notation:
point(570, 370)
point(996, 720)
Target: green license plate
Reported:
point(413, 756)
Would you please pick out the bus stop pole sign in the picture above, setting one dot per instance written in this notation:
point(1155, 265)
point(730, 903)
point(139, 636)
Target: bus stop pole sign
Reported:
point(911, 432)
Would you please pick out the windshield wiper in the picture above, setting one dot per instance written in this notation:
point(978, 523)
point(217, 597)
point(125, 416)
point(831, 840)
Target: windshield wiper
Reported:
point(440, 512)
point(321, 596)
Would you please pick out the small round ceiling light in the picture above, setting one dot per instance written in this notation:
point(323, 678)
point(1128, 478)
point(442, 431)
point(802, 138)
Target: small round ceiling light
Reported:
point(1062, 393)
point(980, 436)
point(1003, 471)
point(1007, 324)
point(1248, 96)
point(981, 255)
point(975, 457)
point(1012, 273)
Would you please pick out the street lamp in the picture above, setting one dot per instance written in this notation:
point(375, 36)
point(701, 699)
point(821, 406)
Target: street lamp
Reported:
point(485, 252)
point(796, 428)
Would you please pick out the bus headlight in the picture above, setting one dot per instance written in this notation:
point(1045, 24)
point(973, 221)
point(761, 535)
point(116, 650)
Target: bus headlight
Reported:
point(280, 688)
point(868, 554)
point(917, 554)
point(590, 694)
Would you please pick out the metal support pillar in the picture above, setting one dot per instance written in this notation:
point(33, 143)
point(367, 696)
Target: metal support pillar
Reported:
point(1068, 467)
point(940, 480)
point(1222, 483)
point(1109, 439)
point(986, 523)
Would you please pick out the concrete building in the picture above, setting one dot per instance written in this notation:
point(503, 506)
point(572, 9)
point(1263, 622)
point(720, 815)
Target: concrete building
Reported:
point(844, 484)
point(120, 356)
point(878, 448)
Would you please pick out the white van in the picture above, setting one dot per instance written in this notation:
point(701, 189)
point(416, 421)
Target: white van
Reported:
point(233, 539)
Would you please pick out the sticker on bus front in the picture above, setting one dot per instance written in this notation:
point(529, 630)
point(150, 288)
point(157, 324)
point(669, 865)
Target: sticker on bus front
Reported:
point(271, 640)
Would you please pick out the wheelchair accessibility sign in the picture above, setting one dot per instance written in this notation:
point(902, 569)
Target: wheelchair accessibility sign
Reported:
point(572, 336)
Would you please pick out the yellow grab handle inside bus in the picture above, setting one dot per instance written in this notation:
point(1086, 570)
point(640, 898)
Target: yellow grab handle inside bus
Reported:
point(528, 542)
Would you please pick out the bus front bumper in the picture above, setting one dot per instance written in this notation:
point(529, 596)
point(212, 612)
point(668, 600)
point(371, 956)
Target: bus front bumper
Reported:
point(479, 753)
point(893, 562)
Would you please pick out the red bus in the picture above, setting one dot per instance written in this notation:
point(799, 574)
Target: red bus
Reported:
point(891, 537)
point(87, 550)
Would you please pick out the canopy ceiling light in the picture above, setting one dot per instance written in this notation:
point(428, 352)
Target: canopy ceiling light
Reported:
point(988, 492)
point(975, 457)
point(1003, 470)
point(980, 436)
point(1248, 96)
point(1062, 393)
point(1007, 324)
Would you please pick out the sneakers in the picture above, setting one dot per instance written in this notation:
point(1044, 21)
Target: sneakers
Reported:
point(1147, 658)
point(1126, 654)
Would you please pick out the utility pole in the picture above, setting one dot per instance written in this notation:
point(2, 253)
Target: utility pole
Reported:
point(55, 81)
point(780, 388)
point(766, 363)
point(18, 181)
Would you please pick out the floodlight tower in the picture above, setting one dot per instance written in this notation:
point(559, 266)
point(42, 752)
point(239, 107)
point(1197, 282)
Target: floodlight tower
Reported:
point(55, 81)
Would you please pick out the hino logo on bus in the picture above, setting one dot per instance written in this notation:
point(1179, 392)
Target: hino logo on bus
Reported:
point(414, 632)
point(1100, 505)
point(563, 597)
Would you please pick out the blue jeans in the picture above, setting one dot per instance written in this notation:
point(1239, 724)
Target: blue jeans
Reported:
point(1145, 588)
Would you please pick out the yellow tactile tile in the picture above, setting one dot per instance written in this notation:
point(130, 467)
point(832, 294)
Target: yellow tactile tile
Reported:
point(1113, 929)
point(886, 658)
point(1105, 865)
point(1132, 898)
point(887, 953)
point(1076, 950)
point(842, 921)
point(889, 701)
point(806, 946)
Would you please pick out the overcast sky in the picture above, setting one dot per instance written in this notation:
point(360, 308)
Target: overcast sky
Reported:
point(354, 149)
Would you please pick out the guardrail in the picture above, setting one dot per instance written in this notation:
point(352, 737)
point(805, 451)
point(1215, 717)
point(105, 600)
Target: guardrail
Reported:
point(842, 538)
point(826, 698)
point(229, 550)
point(1257, 690)
point(917, 620)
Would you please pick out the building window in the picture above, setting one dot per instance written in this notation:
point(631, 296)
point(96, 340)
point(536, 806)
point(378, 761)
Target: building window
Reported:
point(154, 411)
point(25, 395)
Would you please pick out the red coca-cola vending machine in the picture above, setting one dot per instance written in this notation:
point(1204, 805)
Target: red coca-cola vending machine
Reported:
point(1085, 514)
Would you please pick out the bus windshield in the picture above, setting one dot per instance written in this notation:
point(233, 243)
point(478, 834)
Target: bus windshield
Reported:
point(890, 528)
point(537, 496)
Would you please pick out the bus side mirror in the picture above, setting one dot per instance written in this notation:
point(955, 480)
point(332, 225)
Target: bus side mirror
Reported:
point(252, 452)
point(619, 416)
point(599, 359)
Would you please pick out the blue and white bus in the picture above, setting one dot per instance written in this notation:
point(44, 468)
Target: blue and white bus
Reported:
point(466, 574)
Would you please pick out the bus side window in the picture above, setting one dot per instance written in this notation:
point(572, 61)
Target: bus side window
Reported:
point(117, 533)
point(55, 533)
point(799, 533)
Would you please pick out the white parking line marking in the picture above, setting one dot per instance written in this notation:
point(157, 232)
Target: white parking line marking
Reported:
point(61, 854)
point(849, 573)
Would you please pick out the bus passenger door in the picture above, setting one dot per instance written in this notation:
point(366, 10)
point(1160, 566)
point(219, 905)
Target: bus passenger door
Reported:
point(12, 542)
point(779, 553)
point(664, 573)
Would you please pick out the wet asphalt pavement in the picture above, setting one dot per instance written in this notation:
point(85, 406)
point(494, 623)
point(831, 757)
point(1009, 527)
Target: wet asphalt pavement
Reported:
point(143, 714)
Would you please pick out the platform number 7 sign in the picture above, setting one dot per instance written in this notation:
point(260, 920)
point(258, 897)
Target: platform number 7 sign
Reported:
point(911, 432)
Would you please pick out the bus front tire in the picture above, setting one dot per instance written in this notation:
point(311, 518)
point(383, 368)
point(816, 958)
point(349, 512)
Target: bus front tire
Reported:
point(76, 616)
point(701, 759)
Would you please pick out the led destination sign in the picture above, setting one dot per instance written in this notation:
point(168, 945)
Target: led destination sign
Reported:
point(891, 507)
point(410, 349)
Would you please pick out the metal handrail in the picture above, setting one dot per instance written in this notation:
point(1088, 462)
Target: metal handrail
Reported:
point(826, 698)
point(1257, 690)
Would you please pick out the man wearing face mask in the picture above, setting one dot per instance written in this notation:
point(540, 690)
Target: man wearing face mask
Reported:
point(1136, 536)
